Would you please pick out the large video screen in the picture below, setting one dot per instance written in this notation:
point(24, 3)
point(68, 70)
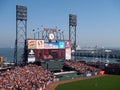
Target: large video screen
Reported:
point(49, 54)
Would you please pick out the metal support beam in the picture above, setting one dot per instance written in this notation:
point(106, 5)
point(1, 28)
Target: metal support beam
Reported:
point(21, 34)
point(72, 31)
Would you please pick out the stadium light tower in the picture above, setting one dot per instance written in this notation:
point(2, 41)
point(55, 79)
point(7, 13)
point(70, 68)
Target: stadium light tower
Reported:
point(21, 32)
point(72, 30)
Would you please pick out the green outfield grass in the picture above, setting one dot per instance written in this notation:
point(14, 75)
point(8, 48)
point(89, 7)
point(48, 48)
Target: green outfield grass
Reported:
point(101, 83)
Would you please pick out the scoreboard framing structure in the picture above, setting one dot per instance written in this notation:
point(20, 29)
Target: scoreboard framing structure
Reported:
point(39, 50)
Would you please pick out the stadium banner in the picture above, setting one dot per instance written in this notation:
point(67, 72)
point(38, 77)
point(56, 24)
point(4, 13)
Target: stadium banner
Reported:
point(95, 73)
point(31, 55)
point(39, 44)
point(61, 45)
point(52, 45)
point(68, 53)
point(88, 74)
point(68, 44)
point(101, 72)
point(31, 44)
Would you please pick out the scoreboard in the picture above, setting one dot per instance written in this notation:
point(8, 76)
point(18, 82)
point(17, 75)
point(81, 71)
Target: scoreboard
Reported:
point(40, 50)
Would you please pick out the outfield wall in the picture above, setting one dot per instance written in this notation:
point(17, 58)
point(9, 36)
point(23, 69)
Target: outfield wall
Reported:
point(69, 76)
point(53, 65)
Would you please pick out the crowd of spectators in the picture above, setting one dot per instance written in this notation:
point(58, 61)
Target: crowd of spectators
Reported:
point(113, 68)
point(96, 63)
point(81, 67)
point(109, 68)
point(114, 65)
point(25, 78)
point(31, 77)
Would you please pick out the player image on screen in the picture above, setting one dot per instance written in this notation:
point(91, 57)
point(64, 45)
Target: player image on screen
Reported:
point(47, 54)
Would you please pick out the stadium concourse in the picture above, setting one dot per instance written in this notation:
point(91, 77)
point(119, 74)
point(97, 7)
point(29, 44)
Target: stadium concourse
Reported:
point(35, 77)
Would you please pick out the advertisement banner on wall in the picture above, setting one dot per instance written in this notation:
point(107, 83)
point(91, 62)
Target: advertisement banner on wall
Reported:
point(68, 53)
point(31, 44)
point(61, 45)
point(31, 55)
point(39, 44)
point(52, 45)
point(68, 44)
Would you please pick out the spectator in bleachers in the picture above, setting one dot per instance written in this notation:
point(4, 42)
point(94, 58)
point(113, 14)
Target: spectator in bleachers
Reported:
point(25, 78)
point(81, 67)
point(47, 54)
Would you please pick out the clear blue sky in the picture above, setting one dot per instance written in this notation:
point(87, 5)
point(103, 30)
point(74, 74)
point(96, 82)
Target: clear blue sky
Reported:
point(98, 21)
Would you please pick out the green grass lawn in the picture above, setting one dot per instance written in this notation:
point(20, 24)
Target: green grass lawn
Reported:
point(101, 83)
